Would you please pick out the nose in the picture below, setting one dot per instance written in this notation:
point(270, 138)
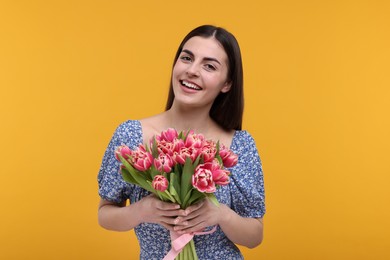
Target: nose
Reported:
point(193, 70)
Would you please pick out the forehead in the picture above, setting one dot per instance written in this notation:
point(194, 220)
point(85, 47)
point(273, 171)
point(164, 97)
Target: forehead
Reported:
point(206, 47)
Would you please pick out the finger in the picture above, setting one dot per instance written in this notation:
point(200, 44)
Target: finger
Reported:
point(167, 220)
point(180, 221)
point(171, 213)
point(167, 206)
point(194, 208)
point(190, 227)
point(194, 214)
point(185, 224)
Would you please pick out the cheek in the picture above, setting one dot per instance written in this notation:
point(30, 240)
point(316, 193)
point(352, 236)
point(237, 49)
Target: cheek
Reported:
point(176, 72)
point(216, 82)
point(177, 69)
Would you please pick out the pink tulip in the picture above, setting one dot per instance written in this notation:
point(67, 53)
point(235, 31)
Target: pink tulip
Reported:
point(123, 151)
point(181, 155)
point(208, 151)
point(164, 163)
point(141, 159)
point(169, 135)
point(160, 183)
point(178, 144)
point(229, 158)
point(179, 158)
point(202, 180)
point(220, 176)
point(194, 140)
point(165, 147)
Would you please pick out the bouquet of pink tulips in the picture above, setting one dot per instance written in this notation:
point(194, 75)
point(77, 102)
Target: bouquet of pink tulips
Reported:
point(182, 168)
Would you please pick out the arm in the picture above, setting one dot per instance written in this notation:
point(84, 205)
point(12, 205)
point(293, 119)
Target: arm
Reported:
point(244, 231)
point(119, 217)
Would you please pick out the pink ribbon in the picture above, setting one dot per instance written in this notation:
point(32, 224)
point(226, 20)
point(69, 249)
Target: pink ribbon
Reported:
point(178, 242)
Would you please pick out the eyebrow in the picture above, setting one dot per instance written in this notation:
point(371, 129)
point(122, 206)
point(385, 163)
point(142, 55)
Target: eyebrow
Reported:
point(205, 58)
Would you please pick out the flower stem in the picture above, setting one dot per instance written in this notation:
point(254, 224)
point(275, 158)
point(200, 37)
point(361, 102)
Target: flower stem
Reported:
point(188, 252)
point(193, 251)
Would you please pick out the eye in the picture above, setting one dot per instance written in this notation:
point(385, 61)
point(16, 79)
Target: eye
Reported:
point(210, 67)
point(185, 58)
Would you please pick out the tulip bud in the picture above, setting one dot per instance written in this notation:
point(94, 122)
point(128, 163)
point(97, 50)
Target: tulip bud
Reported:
point(160, 183)
point(163, 163)
point(141, 159)
point(123, 151)
point(229, 158)
point(202, 180)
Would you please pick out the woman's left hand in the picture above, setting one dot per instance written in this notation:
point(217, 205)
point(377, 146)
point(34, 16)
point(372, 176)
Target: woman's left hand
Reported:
point(244, 231)
point(198, 217)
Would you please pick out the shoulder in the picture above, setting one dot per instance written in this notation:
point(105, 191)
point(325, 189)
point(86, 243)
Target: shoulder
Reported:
point(244, 144)
point(129, 132)
point(129, 125)
point(242, 138)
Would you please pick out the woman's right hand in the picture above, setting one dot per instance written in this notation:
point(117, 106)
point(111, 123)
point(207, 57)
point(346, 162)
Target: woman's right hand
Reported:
point(153, 210)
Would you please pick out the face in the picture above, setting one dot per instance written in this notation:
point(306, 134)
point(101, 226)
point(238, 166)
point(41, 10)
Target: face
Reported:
point(200, 72)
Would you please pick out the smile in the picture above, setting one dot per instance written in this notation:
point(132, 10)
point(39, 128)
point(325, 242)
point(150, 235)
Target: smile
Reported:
point(189, 85)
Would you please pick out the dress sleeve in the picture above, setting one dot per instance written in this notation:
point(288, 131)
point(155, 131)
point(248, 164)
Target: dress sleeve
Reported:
point(248, 198)
point(111, 185)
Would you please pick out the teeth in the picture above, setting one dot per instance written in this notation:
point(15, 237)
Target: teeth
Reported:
point(190, 85)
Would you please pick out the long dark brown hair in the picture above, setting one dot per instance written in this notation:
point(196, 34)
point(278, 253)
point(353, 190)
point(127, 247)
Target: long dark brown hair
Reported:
point(228, 108)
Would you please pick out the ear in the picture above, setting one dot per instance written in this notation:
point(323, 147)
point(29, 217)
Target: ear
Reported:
point(226, 87)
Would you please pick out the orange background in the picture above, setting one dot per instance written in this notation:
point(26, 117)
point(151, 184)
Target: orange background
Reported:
point(317, 91)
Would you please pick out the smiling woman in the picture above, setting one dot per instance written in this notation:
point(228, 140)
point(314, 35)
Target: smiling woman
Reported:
point(200, 73)
point(206, 96)
point(227, 109)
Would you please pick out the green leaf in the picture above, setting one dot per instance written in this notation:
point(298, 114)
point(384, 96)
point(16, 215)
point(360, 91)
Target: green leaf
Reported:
point(174, 187)
point(195, 197)
point(164, 196)
point(178, 169)
point(186, 184)
point(197, 161)
point(147, 148)
point(169, 196)
point(186, 199)
point(218, 157)
point(153, 172)
point(139, 177)
point(217, 147)
point(126, 175)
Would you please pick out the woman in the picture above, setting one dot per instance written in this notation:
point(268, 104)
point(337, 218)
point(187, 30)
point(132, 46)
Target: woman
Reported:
point(206, 95)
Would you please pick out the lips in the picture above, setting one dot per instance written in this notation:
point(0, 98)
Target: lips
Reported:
point(189, 85)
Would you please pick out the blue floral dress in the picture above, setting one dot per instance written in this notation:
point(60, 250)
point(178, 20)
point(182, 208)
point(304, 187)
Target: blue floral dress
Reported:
point(244, 194)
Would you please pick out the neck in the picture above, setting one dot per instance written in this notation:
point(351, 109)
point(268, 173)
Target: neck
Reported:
point(197, 119)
